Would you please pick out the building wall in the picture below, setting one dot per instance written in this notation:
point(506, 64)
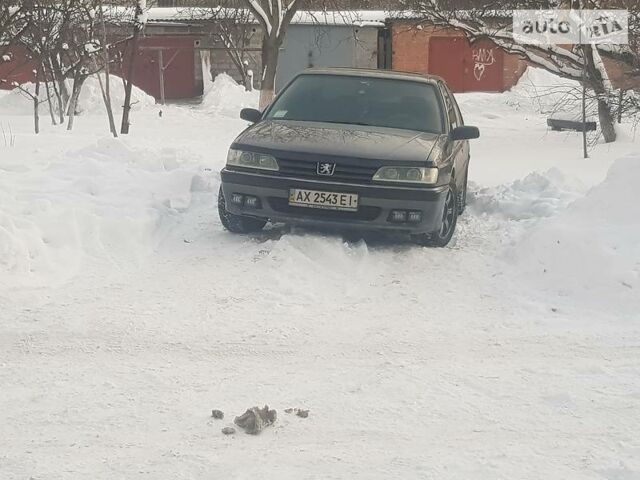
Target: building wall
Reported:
point(514, 68)
point(221, 60)
point(18, 70)
point(621, 76)
point(410, 46)
point(411, 52)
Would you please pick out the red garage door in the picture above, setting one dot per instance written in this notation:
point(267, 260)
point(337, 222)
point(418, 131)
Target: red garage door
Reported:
point(466, 67)
point(181, 76)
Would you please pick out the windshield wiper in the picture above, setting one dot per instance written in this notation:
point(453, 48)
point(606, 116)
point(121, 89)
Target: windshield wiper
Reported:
point(349, 123)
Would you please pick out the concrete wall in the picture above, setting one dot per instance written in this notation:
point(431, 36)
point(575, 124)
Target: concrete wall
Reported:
point(221, 61)
point(305, 46)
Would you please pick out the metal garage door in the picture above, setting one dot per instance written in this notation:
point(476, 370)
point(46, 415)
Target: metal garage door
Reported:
point(326, 46)
point(467, 67)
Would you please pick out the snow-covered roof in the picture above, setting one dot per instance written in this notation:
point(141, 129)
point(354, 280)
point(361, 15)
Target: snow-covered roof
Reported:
point(362, 18)
point(374, 18)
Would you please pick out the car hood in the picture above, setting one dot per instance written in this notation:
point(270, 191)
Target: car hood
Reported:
point(339, 140)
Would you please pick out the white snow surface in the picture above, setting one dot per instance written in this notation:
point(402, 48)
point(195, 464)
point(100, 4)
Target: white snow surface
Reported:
point(127, 313)
point(16, 102)
point(217, 94)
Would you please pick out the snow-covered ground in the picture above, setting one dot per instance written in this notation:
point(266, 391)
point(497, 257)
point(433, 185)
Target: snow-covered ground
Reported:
point(127, 313)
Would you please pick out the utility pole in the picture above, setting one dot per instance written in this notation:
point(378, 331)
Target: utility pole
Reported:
point(585, 151)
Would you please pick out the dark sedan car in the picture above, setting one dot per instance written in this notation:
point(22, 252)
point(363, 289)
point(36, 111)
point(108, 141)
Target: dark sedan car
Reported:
point(366, 149)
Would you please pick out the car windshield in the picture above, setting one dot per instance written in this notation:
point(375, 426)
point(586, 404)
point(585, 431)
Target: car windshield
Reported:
point(356, 100)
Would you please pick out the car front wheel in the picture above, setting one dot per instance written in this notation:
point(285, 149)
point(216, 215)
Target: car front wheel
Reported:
point(237, 223)
point(442, 236)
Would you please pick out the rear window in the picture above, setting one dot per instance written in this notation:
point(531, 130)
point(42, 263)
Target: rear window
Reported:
point(380, 102)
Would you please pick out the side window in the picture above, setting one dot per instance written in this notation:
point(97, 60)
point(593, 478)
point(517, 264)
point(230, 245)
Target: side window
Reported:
point(458, 112)
point(455, 118)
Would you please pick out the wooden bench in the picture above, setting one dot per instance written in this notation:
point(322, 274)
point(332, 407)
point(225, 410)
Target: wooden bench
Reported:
point(559, 125)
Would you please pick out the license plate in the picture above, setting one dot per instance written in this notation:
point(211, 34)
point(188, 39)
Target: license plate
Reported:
point(326, 200)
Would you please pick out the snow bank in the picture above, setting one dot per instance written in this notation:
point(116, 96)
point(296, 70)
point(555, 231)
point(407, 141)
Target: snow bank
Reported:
point(590, 253)
point(549, 94)
point(91, 102)
point(16, 102)
point(107, 202)
point(69, 201)
point(226, 97)
point(537, 92)
point(535, 196)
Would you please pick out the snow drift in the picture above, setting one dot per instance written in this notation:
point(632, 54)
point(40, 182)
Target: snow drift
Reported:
point(226, 97)
point(17, 102)
point(69, 200)
point(91, 102)
point(590, 253)
point(535, 196)
point(107, 201)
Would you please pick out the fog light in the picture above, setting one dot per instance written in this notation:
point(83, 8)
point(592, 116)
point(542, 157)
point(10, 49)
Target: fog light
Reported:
point(398, 216)
point(237, 199)
point(415, 217)
point(251, 202)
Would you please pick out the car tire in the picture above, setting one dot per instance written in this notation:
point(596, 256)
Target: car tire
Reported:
point(462, 194)
point(237, 223)
point(442, 237)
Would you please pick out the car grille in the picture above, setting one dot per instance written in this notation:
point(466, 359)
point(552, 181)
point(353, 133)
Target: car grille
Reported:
point(364, 212)
point(343, 172)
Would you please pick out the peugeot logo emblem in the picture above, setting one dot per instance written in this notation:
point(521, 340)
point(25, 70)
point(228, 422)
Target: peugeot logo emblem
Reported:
point(326, 168)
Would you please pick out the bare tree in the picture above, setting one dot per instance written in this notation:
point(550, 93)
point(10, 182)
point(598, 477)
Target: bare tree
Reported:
point(40, 38)
point(13, 23)
point(274, 16)
point(139, 22)
point(231, 30)
point(106, 87)
point(80, 48)
point(34, 96)
point(492, 19)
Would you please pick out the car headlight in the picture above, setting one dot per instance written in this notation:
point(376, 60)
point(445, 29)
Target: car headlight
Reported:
point(240, 158)
point(426, 176)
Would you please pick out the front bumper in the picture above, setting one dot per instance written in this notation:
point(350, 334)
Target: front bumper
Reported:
point(375, 202)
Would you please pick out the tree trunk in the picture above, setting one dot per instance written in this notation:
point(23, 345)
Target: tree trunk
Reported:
point(106, 95)
point(46, 86)
point(106, 90)
point(597, 83)
point(126, 108)
point(606, 121)
point(73, 100)
point(59, 77)
point(36, 104)
point(270, 52)
point(54, 83)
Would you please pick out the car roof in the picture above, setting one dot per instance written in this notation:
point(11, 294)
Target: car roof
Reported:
point(370, 72)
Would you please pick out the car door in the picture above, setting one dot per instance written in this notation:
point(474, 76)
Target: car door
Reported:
point(458, 149)
point(464, 151)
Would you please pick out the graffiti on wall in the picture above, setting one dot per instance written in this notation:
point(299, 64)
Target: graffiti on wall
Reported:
point(482, 58)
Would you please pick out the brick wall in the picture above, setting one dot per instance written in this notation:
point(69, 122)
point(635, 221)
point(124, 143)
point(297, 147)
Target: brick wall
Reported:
point(621, 75)
point(410, 46)
point(513, 68)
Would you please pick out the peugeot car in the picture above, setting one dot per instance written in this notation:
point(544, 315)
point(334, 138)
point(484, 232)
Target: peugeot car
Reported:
point(361, 149)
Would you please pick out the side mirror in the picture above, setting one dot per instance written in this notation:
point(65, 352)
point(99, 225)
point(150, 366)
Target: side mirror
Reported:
point(464, 133)
point(250, 115)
